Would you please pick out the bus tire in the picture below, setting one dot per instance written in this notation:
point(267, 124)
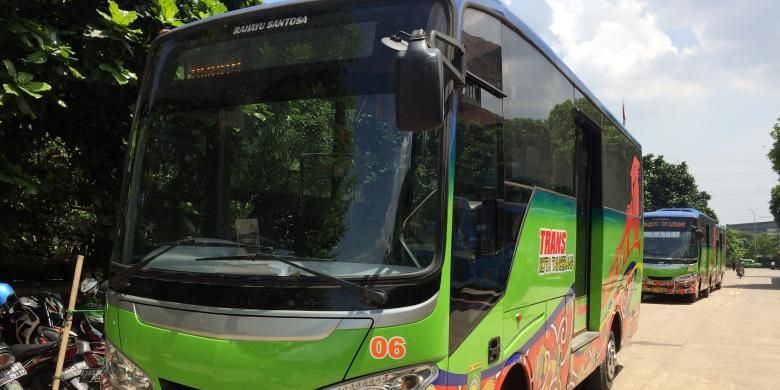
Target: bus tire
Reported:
point(706, 292)
point(604, 376)
point(692, 298)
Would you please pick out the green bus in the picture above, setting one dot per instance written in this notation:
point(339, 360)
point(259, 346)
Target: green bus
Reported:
point(684, 253)
point(371, 195)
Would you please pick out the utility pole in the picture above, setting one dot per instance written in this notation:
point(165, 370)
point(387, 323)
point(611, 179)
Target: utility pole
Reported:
point(755, 249)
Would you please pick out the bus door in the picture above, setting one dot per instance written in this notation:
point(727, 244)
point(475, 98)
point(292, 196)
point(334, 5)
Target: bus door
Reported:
point(587, 148)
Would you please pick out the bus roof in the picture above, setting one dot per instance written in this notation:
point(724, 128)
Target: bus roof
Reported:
point(677, 213)
point(496, 7)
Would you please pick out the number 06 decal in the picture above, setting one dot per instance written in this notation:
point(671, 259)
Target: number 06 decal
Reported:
point(382, 347)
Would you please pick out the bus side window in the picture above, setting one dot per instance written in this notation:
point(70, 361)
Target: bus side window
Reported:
point(478, 270)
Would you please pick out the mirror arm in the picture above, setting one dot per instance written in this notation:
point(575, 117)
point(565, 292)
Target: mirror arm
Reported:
point(458, 74)
point(486, 85)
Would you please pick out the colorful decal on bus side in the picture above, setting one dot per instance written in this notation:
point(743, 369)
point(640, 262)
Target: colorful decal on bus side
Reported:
point(553, 258)
point(546, 357)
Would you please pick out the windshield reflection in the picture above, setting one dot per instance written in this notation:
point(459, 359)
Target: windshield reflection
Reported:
point(670, 244)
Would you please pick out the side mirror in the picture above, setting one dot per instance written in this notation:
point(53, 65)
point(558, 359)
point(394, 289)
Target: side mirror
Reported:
point(419, 86)
point(697, 233)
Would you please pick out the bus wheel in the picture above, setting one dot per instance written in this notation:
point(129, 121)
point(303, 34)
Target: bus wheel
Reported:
point(706, 292)
point(602, 378)
point(692, 298)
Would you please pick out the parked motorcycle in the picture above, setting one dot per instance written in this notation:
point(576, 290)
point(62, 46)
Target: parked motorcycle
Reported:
point(38, 323)
point(10, 370)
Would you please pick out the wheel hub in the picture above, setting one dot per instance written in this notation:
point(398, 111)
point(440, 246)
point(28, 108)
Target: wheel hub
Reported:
point(611, 359)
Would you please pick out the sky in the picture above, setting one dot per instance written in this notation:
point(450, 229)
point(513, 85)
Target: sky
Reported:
point(699, 78)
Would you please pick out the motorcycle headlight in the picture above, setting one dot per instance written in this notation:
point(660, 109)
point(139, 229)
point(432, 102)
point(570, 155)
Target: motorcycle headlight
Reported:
point(686, 277)
point(407, 378)
point(123, 373)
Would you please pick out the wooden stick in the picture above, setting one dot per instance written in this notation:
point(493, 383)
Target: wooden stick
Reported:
point(74, 290)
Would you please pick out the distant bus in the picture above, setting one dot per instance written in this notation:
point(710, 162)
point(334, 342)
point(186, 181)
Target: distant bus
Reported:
point(684, 253)
point(333, 195)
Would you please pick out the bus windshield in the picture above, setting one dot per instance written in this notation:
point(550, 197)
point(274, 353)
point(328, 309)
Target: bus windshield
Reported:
point(274, 132)
point(670, 245)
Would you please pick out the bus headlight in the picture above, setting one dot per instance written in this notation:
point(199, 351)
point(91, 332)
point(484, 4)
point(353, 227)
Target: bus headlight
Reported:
point(686, 277)
point(123, 373)
point(407, 378)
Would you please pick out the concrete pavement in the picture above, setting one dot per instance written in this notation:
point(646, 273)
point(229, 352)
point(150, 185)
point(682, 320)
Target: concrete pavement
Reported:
point(730, 340)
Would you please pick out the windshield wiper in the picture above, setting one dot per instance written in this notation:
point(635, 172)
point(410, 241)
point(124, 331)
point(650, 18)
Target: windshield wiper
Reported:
point(122, 276)
point(372, 296)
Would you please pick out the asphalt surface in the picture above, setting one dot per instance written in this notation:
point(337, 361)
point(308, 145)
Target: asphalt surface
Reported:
point(730, 340)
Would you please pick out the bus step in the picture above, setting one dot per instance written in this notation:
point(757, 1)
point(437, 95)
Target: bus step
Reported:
point(582, 339)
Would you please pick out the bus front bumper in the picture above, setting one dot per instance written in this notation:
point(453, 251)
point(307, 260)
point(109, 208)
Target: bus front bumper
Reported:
point(669, 287)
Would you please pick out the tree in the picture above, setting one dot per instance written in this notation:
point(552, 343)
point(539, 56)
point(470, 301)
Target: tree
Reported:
point(766, 247)
point(736, 244)
point(671, 185)
point(774, 157)
point(69, 75)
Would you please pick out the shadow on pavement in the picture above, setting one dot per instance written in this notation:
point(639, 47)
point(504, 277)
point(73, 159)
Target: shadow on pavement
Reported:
point(584, 384)
point(666, 299)
point(774, 284)
point(655, 344)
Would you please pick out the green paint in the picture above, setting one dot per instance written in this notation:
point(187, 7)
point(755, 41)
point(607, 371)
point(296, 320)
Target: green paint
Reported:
point(206, 363)
point(523, 315)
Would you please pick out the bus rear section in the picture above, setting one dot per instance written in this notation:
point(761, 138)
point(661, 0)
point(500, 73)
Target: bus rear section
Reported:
point(284, 226)
point(683, 253)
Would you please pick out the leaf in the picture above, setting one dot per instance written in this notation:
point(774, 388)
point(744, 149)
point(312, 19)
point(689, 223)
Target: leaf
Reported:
point(23, 77)
point(168, 11)
point(119, 16)
point(75, 72)
point(31, 93)
point(37, 86)
point(121, 75)
point(213, 7)
point(37, 57)
point(22, 105)
point(9, 66)
point(95, 33)
point(11, 89)
point(62, 103)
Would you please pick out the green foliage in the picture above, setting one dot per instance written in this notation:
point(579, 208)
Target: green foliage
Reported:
point(774, 157)
point(766, 247)
point(671, 185)
point(737, 244)
point(69, 83)
point(774, 153)
point(745, 245)
point(118, 16)
point(774, 202)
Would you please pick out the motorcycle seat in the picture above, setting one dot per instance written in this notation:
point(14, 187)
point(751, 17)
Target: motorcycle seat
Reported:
point(27, 351)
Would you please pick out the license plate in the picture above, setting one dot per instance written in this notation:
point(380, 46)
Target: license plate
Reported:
point(91, 375)
point(14, 372)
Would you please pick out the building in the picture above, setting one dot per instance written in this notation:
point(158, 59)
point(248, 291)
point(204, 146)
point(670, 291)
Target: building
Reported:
point(768, 227)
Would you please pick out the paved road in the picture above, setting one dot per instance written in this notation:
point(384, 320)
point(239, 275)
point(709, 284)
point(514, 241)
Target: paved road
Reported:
point(730, 340)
